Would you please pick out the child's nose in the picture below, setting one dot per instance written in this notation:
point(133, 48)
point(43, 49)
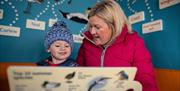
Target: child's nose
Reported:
point(61, 47)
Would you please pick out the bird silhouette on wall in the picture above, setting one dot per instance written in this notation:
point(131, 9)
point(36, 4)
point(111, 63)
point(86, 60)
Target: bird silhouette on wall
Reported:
point(69, 77)
point(101, 81)
point(70, 1)
point(56, 0)
point(76, 17)
point(29, 5)
point(48, 86)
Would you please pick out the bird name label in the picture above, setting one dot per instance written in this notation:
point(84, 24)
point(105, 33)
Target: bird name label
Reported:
point(152, 26)
point(77, 38)
point(1, 13)
point(167, 3)
point(51, 22)
point(34, 24)
point(9, 31)
point(137, 17)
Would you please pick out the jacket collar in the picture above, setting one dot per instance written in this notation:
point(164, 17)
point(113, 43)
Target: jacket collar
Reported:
point(67, 62)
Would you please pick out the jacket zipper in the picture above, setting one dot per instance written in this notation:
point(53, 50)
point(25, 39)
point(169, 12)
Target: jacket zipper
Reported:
point(102, 57)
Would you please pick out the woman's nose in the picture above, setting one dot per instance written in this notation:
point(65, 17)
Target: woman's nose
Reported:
point(93, 31)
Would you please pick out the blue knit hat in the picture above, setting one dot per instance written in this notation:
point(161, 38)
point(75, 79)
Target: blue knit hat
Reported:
point(58, 31)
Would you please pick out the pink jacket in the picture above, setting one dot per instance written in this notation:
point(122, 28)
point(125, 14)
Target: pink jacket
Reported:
point(128, 50)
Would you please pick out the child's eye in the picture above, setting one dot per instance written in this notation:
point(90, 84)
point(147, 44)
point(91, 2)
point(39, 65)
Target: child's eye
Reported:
point(57, 46)
point(67, 46)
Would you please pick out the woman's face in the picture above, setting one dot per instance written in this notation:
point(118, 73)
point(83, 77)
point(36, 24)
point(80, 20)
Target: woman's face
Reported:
point(100, 31)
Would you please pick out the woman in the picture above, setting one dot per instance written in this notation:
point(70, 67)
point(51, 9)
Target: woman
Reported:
point(110, 42)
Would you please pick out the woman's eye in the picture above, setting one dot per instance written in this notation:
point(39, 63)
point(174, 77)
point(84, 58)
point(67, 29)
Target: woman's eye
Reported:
point(97, 27)
point(89, 27)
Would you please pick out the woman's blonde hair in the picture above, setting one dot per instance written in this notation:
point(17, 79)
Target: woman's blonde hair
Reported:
point(112, 14)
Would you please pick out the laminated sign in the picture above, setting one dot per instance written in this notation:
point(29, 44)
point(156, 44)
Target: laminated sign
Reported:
point(72, 79)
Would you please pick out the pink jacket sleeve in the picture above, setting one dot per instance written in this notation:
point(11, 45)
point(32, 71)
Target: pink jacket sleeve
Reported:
point(145, 72)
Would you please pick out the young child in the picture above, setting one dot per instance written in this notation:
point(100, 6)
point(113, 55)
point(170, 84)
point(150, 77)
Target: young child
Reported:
point(58, 42)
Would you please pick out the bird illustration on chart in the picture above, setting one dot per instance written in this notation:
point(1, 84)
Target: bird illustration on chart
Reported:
point(48, 86)
point(70, 76)
point(122, 76)
point(97, 83)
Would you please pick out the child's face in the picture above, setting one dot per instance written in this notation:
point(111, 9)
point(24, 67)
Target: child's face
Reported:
point(60, 50)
